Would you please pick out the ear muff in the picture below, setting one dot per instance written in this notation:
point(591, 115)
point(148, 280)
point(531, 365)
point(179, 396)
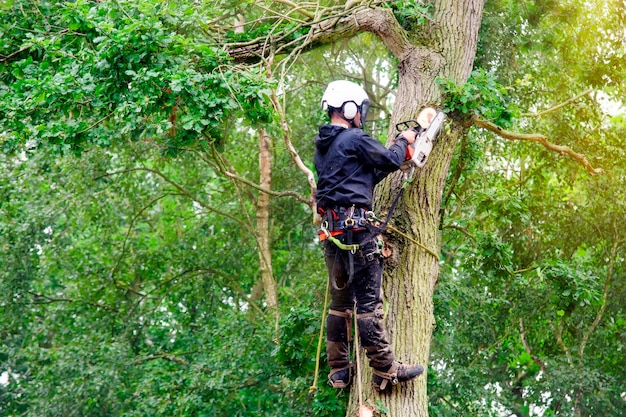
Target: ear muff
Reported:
point(349, 110)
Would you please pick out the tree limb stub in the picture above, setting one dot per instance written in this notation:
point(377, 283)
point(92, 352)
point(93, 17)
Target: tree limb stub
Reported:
point(534, 137)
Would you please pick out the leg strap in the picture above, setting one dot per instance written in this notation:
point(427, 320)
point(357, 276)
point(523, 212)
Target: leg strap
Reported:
point(347, 315)
point(340, 383)
point(390, 376)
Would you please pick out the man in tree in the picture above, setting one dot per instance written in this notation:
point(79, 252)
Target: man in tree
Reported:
point(349, 164)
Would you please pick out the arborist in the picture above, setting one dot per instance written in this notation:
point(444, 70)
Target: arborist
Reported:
point(349, 163)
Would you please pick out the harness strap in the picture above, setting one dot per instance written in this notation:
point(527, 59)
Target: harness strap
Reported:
point(345, 314)
point(340, 383)
point(349, 226)
point(335, 370)
point(366, 315)
point(337, 242)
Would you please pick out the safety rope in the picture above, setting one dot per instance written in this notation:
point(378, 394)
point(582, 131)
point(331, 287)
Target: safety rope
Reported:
point(372, 217)
point(313, 388)
point(357, 347)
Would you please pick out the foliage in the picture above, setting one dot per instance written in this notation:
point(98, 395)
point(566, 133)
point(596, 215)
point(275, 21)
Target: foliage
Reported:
point(481, 95)
point(98, 72)
point(121, 297)
point(532, 277)
point(411, 14)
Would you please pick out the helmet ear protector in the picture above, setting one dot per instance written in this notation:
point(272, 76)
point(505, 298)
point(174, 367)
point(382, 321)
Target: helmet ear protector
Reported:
point(350, 109)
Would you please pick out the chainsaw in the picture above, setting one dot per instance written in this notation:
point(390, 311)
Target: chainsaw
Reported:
point(426, 127)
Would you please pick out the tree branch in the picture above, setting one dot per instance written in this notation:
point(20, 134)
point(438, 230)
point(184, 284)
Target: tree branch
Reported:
point(558, 333)
point(329, 24)
point(506, 134)
point(165, 356)
point(558, 106)
point(296, 8)
point(40, 298)
point(118, 263)
point(541, 365)
point(179, 187)
point(294, 153)
point(298, 197)
point(6, 58)
point(605, 296)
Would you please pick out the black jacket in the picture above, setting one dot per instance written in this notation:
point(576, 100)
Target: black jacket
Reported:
point(349, 163)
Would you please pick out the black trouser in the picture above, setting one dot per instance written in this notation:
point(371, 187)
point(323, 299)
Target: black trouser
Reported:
point(366, 289)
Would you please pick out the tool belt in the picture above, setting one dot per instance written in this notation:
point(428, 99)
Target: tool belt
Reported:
point(338, 219)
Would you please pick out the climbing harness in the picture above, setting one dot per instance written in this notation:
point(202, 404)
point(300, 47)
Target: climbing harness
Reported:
point(341, 221)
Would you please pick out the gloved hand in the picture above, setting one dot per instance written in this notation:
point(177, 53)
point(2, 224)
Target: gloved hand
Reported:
point(409, 135)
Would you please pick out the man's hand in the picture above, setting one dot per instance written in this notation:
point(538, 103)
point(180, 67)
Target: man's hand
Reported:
point(409, 135)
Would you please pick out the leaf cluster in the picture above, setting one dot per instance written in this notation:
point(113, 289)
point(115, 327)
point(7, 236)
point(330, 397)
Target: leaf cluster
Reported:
point(481, 95)
point(121, 296)
point(411, 14)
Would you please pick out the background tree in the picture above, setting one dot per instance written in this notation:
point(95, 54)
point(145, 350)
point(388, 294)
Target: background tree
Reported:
point(132, 273)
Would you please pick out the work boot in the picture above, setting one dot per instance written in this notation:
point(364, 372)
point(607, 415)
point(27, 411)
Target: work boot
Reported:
point(396, 372)
point(340, 378)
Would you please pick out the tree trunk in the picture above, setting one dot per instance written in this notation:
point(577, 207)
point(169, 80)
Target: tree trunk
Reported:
point(411, 273)
point(263, 224)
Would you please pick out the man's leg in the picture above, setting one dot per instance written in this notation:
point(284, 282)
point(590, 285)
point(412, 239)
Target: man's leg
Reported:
point(338, 326)
point(372, 333)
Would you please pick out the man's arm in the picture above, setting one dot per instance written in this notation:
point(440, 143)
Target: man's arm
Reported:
point(385, 160)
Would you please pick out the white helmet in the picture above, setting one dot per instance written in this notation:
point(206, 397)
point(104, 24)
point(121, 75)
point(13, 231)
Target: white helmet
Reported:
point(347, 97)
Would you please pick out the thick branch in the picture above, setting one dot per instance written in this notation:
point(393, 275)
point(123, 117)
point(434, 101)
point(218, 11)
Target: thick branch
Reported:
point(333, 24)
point(506, 134)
